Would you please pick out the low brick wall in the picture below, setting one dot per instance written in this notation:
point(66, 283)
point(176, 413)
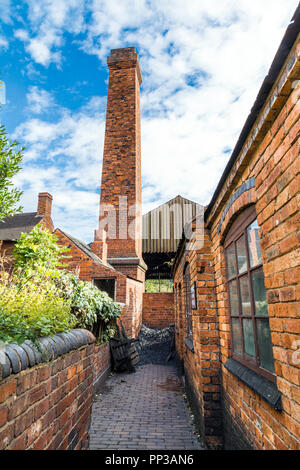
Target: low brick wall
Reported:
point(46, 404)
point(158, 309)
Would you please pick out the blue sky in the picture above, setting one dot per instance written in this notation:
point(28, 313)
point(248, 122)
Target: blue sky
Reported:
point(202, 62)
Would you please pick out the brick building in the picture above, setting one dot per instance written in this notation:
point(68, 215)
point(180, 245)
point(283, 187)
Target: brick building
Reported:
point(237, 282)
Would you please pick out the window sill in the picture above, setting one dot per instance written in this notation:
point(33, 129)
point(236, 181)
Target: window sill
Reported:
point(189, 344)
point(260, 385)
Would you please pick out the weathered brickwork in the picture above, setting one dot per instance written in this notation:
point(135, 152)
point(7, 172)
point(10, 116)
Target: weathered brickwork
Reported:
point(121, 188)
point(101, 364)
point(44, 209)
point(49, 405)
point(270, 159)
point(158, 309)
point(121, 170)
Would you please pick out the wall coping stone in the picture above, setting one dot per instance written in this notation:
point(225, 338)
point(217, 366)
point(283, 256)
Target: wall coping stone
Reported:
point(14, 357)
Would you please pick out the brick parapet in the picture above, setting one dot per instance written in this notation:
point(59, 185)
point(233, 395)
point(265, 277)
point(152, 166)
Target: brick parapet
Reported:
point(48, 405)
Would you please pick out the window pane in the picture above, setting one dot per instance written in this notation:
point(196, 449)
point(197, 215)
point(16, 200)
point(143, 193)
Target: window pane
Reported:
point(230, 261)
point(259, 292)
point(233, 297)
point(237, 336)
point(253, 243)
point(245, 295)
point(248, 337)
point(241, 255)
point(265, 343)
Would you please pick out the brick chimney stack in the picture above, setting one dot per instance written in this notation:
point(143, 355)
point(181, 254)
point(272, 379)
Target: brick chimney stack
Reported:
point(44, 209)
point(121, 168)
point(44, 204)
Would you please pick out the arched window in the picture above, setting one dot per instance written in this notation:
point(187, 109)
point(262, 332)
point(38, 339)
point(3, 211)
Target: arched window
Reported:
point(187, 297)
point(251, 338)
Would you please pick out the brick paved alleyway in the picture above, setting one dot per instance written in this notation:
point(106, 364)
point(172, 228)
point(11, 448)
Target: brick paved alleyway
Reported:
point(142, 410)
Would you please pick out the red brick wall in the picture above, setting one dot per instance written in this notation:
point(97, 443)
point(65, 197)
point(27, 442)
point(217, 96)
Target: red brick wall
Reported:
point(274, 163)
point(201, 365)
point(121, 169)
point(132, 313)
point(270, 155)
point(48, 406)
point(158, 309)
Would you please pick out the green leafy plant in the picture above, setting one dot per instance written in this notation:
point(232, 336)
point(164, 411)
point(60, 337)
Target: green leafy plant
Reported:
point(158, 285)
point(40, 298)
point(38, 258)
point(31, 311)
point(93, 309)
point(10, 158)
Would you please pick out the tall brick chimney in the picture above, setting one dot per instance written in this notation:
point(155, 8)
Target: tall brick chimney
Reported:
point(44, 209)
point(121, 168)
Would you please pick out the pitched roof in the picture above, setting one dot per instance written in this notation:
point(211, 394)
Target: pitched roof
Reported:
point(86, 249)
point(12, 227)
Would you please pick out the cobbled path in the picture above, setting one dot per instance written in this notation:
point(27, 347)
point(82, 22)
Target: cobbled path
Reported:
point(142, 410)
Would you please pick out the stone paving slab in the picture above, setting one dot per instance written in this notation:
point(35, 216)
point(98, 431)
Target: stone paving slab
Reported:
point(142, 410)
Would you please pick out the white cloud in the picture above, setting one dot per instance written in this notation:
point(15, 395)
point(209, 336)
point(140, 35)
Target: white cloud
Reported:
point(3, 42)
point(48, 21)
point(202, 63)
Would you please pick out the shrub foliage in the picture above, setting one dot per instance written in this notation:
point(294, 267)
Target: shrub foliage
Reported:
point(10, 159)
point(40, 298)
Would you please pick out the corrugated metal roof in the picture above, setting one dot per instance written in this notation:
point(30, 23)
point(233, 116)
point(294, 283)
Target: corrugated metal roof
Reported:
point(163, 226)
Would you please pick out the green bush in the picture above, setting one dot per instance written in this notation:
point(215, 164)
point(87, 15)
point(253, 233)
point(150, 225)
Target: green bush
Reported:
point(10, 159)
point(93, 309)
point(159, 285)
point(37, 253)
